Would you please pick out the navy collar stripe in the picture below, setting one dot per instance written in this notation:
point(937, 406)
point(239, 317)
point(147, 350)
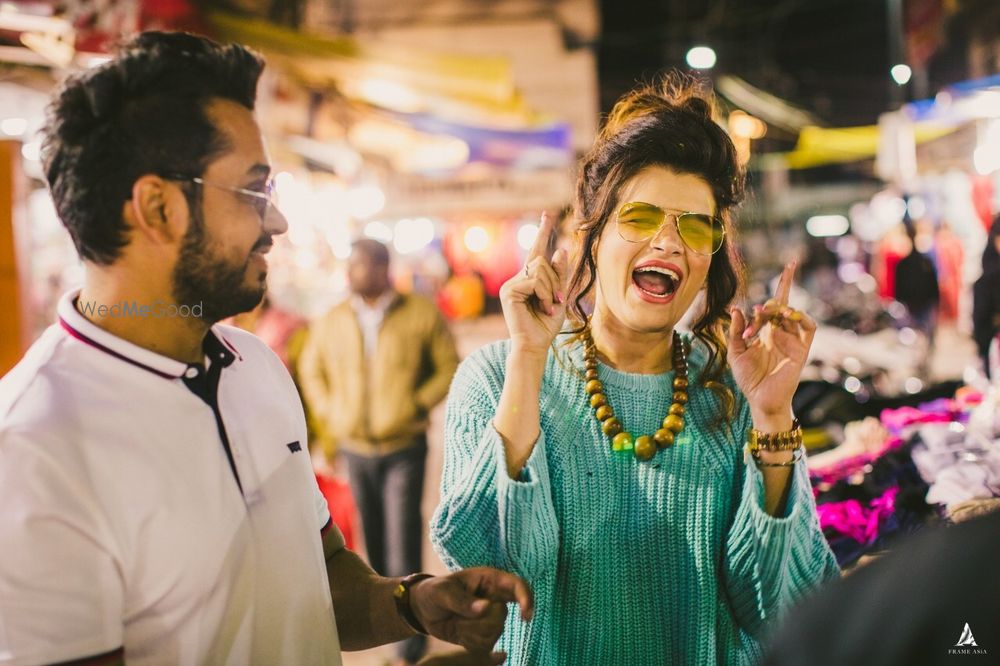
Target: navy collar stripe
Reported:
point(97, 345)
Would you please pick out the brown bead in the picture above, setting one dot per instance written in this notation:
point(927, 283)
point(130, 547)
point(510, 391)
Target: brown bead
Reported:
point(622, 442)
point(594, 386)
point(645, 447)
point(604, 412)
point(663, 438)
point(676, 409)
point(590, 363)
point(591, 374)
point(611, 427)
point(673, 423)
point(598, 399)
point(680, 383)
point(680, 397)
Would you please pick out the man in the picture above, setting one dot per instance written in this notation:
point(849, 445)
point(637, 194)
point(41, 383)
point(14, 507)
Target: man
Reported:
point(158, 499)
point(371, 370)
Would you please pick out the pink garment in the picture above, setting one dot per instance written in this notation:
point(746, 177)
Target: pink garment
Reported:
point(823, 477)
point(853, 519)
point(943, 410)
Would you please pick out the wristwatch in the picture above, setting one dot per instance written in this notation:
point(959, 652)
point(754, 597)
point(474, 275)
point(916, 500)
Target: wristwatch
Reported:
point(401, 595)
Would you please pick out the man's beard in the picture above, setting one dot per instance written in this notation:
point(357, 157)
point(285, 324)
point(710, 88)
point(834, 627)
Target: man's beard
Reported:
point(201, 277)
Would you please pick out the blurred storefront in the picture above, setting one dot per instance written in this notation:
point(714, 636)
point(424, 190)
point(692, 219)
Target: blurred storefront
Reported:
point(446, 153)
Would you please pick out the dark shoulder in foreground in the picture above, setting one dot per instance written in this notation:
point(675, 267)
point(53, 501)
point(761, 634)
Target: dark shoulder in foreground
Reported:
point(917, 605)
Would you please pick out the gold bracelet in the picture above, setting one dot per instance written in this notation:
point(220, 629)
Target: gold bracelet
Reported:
point(788, 440)
point(796, 456)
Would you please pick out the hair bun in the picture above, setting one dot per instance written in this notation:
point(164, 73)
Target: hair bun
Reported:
point(673, 92)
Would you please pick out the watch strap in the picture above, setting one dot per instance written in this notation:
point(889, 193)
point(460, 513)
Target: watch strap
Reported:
point(401, 595)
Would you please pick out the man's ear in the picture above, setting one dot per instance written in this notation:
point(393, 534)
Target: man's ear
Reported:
point(156, 210)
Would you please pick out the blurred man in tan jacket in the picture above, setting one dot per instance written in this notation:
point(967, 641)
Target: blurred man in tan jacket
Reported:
point(373, 368)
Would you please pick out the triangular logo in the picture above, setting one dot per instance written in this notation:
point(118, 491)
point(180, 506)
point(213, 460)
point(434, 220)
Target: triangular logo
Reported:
point(966, 639)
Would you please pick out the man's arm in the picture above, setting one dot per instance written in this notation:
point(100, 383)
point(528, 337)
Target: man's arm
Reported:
point(444, 359)
point(362, 600)
point(467, 608)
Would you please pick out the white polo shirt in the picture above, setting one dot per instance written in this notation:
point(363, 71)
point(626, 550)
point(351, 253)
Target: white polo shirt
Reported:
point(141, 509)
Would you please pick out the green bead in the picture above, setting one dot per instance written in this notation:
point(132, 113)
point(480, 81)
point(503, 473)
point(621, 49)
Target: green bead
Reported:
point(623, 442)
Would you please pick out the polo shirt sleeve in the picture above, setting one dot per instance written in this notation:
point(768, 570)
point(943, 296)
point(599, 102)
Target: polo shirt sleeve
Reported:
point(327, 528)
point(61, 589)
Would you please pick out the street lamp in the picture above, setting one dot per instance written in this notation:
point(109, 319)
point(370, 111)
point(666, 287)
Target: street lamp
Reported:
point(901, 74)
point(701, 57)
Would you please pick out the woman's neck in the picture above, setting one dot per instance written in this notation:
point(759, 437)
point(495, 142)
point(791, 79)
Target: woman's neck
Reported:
point(628, 350)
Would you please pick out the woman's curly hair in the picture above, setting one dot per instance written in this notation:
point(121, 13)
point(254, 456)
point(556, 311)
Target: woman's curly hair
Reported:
point(667, 124)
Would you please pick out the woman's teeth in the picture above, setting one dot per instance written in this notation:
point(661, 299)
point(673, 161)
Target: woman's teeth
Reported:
point(656, 281)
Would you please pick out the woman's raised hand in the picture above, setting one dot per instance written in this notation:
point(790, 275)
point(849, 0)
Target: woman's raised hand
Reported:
point(534, 300)
point(768, 353)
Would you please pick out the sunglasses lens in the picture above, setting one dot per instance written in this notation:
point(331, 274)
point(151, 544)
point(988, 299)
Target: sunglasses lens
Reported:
point(637, 222)
point(701, 233)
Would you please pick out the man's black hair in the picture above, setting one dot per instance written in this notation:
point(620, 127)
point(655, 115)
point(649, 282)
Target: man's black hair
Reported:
point(142, 112)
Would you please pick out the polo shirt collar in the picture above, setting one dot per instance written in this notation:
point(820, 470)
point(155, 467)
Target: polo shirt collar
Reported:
point(217, 348)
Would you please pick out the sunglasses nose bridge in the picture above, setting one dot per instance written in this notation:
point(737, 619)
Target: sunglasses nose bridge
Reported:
point(668, 229)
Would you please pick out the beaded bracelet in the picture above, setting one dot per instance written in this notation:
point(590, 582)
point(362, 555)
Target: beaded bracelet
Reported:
point(796, 456)
point(788, 440)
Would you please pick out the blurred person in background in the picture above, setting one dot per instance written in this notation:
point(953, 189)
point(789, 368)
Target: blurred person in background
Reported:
point(917, 288)
point(373, 368)
point(158, 502)
point(651, 484)
point(986, 298)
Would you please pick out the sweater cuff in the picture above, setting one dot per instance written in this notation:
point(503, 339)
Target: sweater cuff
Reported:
point(524, 507)
point(775, 535)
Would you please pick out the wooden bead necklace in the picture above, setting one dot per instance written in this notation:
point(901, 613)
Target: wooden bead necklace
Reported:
point(643, 447)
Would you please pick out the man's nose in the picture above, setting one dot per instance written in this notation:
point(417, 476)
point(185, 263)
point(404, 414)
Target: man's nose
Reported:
point(274, 222)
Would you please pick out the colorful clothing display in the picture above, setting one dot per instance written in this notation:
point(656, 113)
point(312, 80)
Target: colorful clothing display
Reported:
point(869, 495)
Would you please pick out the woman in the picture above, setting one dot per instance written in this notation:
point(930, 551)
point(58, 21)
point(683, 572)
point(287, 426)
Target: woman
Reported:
point(986, 298)
point(606, 465)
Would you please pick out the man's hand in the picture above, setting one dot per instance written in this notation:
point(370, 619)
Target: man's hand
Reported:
point(469, 607)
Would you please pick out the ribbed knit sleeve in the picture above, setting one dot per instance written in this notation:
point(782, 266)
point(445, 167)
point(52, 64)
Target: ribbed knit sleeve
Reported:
point(485, 518)
point(770, 561)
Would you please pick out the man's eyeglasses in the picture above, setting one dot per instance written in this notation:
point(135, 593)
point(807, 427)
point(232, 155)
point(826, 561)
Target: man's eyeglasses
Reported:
point(260, 200)
point(638, 222)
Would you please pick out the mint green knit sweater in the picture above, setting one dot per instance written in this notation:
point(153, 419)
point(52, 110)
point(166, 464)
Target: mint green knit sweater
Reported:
point(668, 562)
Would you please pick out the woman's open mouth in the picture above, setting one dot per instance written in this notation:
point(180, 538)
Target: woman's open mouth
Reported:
point(657, 283)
